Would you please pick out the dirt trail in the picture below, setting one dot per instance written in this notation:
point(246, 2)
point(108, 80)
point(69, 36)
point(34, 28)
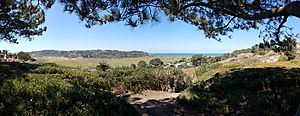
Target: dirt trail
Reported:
point(157, 103)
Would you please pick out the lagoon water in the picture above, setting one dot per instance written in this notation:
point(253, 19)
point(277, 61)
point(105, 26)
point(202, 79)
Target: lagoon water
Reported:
point(186, 54)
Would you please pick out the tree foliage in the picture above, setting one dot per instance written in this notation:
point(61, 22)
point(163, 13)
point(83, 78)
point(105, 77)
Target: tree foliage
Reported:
point(197, 59)
point(287, 47)
point(200, 59)
point(22, 18)
point(155, 62)
point(24, 56)
point(216, 18)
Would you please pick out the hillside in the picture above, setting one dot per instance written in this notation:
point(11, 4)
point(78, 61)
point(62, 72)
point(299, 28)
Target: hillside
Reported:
point(245, 82)
point(91, 53)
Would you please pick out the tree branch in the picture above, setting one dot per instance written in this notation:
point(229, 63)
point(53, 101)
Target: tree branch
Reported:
point(291, 9)
point(277, 33)
point(225, 25)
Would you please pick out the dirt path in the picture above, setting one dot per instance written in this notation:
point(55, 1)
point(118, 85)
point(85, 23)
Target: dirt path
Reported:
point(157, 103)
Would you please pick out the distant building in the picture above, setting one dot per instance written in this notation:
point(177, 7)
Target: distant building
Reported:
point(180, 65)
point(189, 64)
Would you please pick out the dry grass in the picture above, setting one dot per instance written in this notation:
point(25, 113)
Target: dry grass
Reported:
point(286, 64)
point(227, 67)
point(92, 62)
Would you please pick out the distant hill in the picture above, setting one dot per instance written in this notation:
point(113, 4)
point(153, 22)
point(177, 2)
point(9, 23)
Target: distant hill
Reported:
point(90, 53)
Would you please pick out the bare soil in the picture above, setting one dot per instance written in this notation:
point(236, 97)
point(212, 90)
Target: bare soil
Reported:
point(157, 103)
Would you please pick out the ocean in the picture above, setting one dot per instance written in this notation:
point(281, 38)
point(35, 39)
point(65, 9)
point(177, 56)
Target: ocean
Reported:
point(186, 54)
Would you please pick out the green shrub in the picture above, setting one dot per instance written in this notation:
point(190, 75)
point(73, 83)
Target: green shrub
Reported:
point(142, 79)
point(48, 70)
point(50, 90)
point(155, 79)
point(23, 56)
point(155, 62)
point(142, 64)
point(290, 55)
point(283, 58)
point(102, 66)
point(133, 66)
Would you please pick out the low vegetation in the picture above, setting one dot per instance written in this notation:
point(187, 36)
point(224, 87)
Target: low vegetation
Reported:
point(91, 63)
point(124, 79)
point(237, 90)
point(49, 89)
point(29, 89)
point(246, 86)
point(240, 87)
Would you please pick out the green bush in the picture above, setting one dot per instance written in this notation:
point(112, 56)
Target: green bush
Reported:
point(290, 55)
point(24, 56)
point(46, 90)
point(137, 80)
point(102, 66)
point(48, 70)
point(155, 62)
point(283, 58)
point(142, 64)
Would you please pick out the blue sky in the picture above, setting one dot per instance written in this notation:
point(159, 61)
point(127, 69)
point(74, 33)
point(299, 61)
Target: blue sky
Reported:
point(66, 32)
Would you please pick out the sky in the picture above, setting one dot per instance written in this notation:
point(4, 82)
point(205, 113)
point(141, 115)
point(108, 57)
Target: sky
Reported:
point(66, 32)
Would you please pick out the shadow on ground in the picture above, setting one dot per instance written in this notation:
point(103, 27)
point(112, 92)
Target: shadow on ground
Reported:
point(246, 91)
point(10, 70)
point(163, 107)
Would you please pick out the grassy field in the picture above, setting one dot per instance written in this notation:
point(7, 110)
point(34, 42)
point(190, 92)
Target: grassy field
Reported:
point(92, 62)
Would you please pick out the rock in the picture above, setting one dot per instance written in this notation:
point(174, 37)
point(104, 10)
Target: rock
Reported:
point(245, 55)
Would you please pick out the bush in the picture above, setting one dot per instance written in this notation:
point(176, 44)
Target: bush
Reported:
point(155, 62)
point(142, 64)
point(133, 66)
point(48, 70)
point(198, 59)
point(102, 66)
point(50, 90)
point(290, 55)
point(154, 79)
point(283, 58)
point(23, 56)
